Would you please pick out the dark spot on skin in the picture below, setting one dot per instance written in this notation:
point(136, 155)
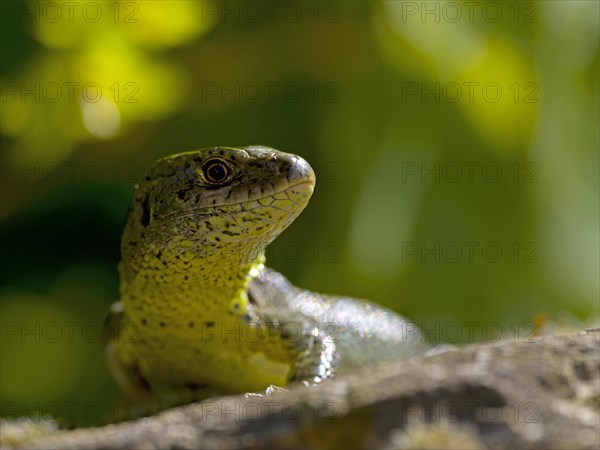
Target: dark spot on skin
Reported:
point(186, 277)
point(247, 318)
point(162, 324)
point(209, 324)
point(144, 321)
point(195, 386)
point(191, 324)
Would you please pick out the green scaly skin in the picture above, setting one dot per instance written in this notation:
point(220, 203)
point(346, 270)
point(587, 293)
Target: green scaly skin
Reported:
point(200, 315)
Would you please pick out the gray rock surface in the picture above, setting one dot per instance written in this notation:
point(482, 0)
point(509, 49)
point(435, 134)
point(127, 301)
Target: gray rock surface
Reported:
point(503, 395)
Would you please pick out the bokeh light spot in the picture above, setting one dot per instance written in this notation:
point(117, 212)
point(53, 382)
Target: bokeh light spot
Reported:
point(102, 118)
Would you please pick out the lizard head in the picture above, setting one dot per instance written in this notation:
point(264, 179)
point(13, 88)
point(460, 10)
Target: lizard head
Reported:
point(214, 202)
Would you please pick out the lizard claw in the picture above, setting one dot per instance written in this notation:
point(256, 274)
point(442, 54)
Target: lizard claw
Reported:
point(272, 389)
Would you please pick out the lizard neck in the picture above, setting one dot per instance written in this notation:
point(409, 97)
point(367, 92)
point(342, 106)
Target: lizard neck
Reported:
point(182, 280)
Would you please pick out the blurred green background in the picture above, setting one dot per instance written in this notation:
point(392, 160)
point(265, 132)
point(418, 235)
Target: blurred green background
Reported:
point(455, 146)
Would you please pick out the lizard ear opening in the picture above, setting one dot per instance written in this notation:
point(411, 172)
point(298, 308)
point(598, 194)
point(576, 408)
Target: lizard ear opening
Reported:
point(144, 210)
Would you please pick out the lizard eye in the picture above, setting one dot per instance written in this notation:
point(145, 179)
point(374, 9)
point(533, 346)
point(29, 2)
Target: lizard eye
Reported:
point(215, 171)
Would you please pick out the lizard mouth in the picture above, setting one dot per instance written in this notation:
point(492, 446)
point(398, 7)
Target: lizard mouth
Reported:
point(301, 191)
point(301, 187)
point(297, 193)
point(304, 184)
